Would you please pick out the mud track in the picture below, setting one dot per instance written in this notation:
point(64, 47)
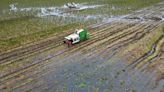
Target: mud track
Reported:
point(109, 61)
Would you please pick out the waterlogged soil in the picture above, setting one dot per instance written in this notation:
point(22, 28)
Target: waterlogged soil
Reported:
point(123, 54)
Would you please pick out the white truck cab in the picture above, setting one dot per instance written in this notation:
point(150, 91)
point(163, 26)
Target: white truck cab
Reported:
point(74, 38)
point(77, 36)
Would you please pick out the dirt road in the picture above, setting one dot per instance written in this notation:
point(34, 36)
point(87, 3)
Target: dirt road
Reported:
point(124, 54)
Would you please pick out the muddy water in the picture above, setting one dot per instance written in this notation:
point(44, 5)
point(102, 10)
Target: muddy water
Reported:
point(100, 64)
point(87, 72)
point(97, 69)
point(62, 11)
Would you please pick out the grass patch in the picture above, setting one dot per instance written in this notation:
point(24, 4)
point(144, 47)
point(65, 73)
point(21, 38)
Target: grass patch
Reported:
point(156, 52)
point(143, 46)
point(20, 28)
point(23, 39)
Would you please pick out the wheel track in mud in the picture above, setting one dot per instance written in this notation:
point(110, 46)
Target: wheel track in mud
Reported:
point(36, 46)
point(136, 39)
point(6, 56)
point(137, 35)
point(41, 72)
point(147, 29)
point(57, 46)
point(142, 34)
point(115, 46)
point(24, 51)
point(143, 68)
point(123, 28)
point(53, 47)
point(133, 65)
point(147, 54)
point(92, 38)
point(151, 61)
point(47, 44)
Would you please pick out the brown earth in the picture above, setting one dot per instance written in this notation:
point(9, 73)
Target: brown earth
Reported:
point(125, 55)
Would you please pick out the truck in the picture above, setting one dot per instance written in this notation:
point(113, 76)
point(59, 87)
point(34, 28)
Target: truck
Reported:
point(76, 37)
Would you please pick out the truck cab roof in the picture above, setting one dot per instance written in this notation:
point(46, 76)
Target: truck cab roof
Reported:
point(72, 36)
point(78, 31)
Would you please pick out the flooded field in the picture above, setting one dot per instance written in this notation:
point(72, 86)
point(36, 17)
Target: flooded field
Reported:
point(24, 22)
point(124, 53)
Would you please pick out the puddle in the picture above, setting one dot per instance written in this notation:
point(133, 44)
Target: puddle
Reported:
point(119, 18)
point(146, 15)
point(13, 7)
point(63, 11)
point(78, 6)
point(66, 11)
point(160, 86)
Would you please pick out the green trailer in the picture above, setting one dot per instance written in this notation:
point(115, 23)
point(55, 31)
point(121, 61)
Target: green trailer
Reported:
point(77, 36)
point(83, 34)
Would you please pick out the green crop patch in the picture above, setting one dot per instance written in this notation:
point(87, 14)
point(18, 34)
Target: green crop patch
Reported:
point(20, 27)
point(23, 39)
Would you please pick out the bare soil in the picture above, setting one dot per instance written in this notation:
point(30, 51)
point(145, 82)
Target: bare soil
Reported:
point(125, 55)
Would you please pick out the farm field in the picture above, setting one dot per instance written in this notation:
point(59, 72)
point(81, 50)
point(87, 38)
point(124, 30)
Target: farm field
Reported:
point(124, 53)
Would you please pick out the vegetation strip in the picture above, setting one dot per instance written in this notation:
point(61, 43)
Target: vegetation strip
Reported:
point(74, 49)
point(152, 53)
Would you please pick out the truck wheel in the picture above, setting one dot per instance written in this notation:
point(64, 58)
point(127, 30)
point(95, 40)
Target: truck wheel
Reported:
point(69, 44)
